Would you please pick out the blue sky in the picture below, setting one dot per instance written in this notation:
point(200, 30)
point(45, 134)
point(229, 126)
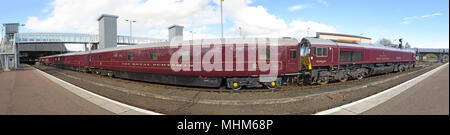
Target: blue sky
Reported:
point(422, 23)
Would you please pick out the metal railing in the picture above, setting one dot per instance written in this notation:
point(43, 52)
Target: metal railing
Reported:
point(77, 38)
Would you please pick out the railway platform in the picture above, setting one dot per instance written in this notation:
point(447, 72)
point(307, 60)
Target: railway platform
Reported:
point(32, 91)
point(426, 94)
point(27, 92)
point(430, 96)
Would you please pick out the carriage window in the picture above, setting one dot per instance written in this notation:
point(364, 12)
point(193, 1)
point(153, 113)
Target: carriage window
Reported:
point(99, 57)
point(318, 52)
point(130, 56)
point(154, 56)
point(321, 52)
point(313, 51)
point(293, 54)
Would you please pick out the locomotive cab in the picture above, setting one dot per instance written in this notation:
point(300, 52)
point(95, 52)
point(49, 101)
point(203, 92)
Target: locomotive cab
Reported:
point(305, 55)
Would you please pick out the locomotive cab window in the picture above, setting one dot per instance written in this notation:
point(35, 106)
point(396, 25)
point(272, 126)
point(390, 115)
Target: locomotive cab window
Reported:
point(99, 57)
point(153, 56)
point(130, 56)
point(293, 54)
point(321, 52)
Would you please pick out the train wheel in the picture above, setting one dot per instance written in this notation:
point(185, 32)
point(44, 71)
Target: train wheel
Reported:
point(299, 82)
point(323, 81)
point(360, 76)
point(344, 79)
point(235, 86)
point(272, 85)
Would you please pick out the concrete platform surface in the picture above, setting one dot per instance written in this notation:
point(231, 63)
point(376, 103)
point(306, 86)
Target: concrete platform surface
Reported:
point(428, 97)
point(27, 92)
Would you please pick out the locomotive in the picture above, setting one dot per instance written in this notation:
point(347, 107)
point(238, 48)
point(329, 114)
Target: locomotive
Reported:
point(310, 61)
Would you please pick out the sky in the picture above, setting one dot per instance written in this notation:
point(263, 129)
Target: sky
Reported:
point(421, 23)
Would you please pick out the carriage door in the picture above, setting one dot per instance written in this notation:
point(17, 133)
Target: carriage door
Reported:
point(89, 57)
point(292, 61)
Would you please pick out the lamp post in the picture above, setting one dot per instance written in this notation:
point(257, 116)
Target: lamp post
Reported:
point(221, 17)
point(192, 35)
point(131, 29)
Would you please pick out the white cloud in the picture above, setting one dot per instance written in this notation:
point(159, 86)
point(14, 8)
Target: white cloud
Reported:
point(296, 7)
point(435, 14)
point(81, 15)
point(256, 21)
point(299, 7)
point(408, 20)
point(154, 16)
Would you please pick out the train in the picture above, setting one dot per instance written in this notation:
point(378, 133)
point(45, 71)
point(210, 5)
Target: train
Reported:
point(310, 61)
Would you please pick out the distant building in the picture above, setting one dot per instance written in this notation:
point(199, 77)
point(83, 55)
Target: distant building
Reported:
point(343, 37)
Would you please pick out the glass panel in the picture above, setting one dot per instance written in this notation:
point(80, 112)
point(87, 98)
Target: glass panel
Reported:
point(120, 39)
point(61, 37)
point(319, 51)
point(130, 56)
point(50, 37)
point(293, 54)
point(154, 56)
point(38, 37)
point(44, 37)
point(32, 37)
point(25, 37)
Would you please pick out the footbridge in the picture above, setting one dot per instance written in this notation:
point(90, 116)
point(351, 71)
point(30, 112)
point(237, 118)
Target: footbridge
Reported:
point(439, 52)
point(80, 38)
point(31, 46)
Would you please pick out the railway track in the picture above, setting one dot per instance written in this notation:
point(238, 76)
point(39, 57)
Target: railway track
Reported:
point(281, 88)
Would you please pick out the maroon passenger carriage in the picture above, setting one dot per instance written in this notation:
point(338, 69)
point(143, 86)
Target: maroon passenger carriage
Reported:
point(320, 61)
point(151, 63)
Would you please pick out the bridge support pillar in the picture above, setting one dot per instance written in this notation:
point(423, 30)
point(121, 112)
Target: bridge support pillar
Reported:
point(421, 57)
